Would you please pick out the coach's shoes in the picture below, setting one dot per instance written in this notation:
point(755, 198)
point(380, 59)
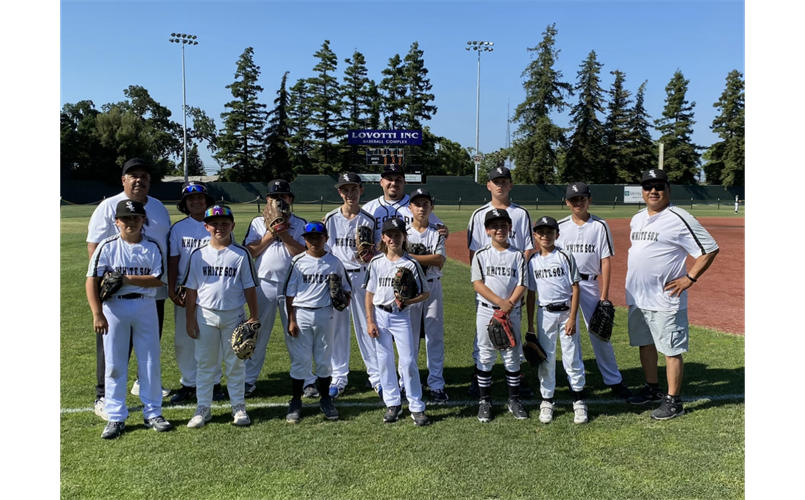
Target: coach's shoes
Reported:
point(326, 405)
point(183, 395)
point(621, 390)
point(250, 388)
point(546, 412)
point(485, 410)
point(516, 408)
point(671, 407)
point(392, 414)
point(336, 391)
point(580, 412)
point(157, 423)
point(294, 411)
point(113, 430)
point(310, 391)
point(438, 396)
point(240, 417)
point(100, 408)
point(647, 395)
point(218, 393)
point(200, 418)
point(420, 419)
point(525, 391)
point(474, 391)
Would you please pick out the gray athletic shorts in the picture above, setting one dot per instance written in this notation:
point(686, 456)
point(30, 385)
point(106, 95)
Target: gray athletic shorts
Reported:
point(667, 330)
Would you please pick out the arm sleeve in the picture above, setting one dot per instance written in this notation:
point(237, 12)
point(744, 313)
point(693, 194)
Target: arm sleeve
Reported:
point(440, 247)
point(289, 290)
point(191, 280)
point(522, 280)
point(473, 242)
point(101, 224)
point(247, 277)
point(256, 231)
point(434, 220)
point(98, 264)
point(608, 247)
point(174, 242)
point(531, 280)
point(694, 238)
point(476, 274)
point(370, 283)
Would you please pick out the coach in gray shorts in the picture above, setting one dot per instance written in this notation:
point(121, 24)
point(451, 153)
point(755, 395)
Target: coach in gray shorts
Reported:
point(662, 237)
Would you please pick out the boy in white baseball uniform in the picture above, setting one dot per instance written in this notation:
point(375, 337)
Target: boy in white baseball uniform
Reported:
point(272, 254)
point(554, 277)
point(388, 318)
point(129, 316)
point(342, 225)
point(220, 280)
point(587, 237)
point(310, 319)
point(499, 186)
point(498, 277)
point(185, 236)
point(427, 317)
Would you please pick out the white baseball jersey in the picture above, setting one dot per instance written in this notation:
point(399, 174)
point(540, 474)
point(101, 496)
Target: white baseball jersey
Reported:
point(552, 276)
point(381, 209)
point(589, 243)
point(341, 233)
point(185, 236)
point(308, 280)
point(660, 246)
point(520, 236)
point(381, 272)
point(501, 270)
point(220, 276)
point(433, 241)
point(132, 259)
point(273, 263)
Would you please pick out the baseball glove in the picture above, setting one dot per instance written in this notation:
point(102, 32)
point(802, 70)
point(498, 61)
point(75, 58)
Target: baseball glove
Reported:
point(244, 339)
point(364, 243)
point(404, 285)
point(532, 350)
point(419, 249)
point(277, 216)
point(181, 291)
point(110, 283)
point(501, 331)
point(337, 294)
point(602, 321)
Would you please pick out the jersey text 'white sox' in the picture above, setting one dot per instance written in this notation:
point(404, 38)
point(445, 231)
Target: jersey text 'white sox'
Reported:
point(225, 274)
point(185, 236)
point(381, 272)
point(552, 276)
point(501, 270)
point(308, 280)
point(589, 243)
point(141, 259)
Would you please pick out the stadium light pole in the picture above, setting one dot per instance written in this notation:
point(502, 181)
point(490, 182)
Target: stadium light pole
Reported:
point(479, 47)
point(184, 39)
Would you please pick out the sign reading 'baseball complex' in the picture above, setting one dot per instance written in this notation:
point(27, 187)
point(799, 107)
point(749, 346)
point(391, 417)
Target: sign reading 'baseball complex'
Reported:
point(385, 137)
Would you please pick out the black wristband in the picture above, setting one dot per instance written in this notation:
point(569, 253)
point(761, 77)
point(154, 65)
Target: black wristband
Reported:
point(691, 279)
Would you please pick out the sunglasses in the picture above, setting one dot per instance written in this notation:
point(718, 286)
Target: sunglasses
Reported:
point(658, 187)
point(218, 211)
point(315, 227)
point(194, 188)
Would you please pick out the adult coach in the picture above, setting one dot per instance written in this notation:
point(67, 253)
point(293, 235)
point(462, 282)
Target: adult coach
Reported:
point(136, 182)
point(662, 236)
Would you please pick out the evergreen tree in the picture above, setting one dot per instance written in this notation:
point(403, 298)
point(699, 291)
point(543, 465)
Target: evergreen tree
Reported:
point(640, 151)
point(375, 107)
point(418, 97)
point(585, 154)
point(195, 167)
point(726, 158)
point(393, 89)
point(277, 156)
point(301, 138)
point(326, 108)
point(356, 93)
point(240, 144)
point(681, 155)
point(537, 137)
point(616, 129)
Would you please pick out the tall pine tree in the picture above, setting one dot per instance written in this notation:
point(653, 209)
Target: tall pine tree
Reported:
point(393, 89)
point(277, 157)
point(241, 142)
point(726, 158)
point(299, 123)
point(639, 151)
point(537, 137)
point(326, 112)
point(616, 128)
point(681, 155)
point(418, 107)
point(356, 93)
point(585, 154)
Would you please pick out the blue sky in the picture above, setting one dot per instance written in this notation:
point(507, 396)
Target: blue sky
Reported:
point(107, 46)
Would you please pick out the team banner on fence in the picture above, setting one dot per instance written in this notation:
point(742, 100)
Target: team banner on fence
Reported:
point(385, 137)
point(632, 194)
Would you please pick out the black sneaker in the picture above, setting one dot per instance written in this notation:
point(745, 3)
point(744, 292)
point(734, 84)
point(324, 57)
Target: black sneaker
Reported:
point(392, 414)
point(157, 423)
point(403, 395)
point(646, 395)
point(310, 391)
point(420, 419)
point(326, 405)
point(250, 388)
point(294, 411)
point(668, 409)
point(474, 390)
point(485, 410)
point(113, 430)
point(218, 393)
point(516, 408)
point(183, 394)
point(438, 396)
point(621, 390)
point(525, 391)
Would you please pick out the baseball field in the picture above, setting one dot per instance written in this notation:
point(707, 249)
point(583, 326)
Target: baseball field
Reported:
point(620, 453)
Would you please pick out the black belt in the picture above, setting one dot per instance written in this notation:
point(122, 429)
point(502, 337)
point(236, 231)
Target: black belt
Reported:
point(355, 270)
point(386, 308)
point(130, 296)
point(557, 307)
point(310, 308)
point(487, 305)
point(431, 280)
point(588, 277)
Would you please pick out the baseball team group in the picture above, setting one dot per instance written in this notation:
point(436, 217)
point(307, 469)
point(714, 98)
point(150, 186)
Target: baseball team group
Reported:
point(561, 269)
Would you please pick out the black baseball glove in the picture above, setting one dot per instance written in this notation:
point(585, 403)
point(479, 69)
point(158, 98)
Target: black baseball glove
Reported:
point(338, 296)
point(244, 339)
point(501, 331)
point(110, 283)
point(419, 249)
point(532, 350)
point(404, 285)
point(603, 320)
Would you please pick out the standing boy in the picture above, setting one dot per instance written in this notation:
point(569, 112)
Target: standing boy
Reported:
point(588, 238)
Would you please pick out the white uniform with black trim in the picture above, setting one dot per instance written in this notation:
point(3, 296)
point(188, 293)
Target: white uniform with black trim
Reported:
point(429, 314)
point(272, 269)
point(220, 278)
point(501, 271)
point(308, 283)
point(341, 234)
point(589, 243)
point(551, 277)
point(396, 326)
point(132, 317)
point(381, 209)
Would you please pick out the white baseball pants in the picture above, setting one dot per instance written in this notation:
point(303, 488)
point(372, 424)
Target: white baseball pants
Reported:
point(215, 341)
point(185, 349)
point(589, 294)
point(430, 312)
point(487, 355)
point(398, 327)
point(551, 325)
point(315, 341)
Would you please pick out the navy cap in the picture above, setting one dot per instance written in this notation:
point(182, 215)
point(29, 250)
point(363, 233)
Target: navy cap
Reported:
point(421, 192)
point(655, 174)
point(349, 178)
point(546, 221)
point(193, 187)
point(279, 186)
point(498, 172)
point(495, 214)
point(578, 189)
point(393, 169)
point(393, 223)
point(314, 228)
point(218, 211)
point(136, 163)
point(129, 207)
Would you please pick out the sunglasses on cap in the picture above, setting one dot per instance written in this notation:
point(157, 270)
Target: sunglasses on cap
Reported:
point(315, 227)
point(194, 188)
point(218, 212)
point(660, 186)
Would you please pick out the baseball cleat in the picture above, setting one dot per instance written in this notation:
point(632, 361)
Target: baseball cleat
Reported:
point(485, 410)
point(310, 391)
point(647, 395)
point(438, 396)
point(546, 412)
point(241, 418)
point(183, 394)
point(392, 414)
point(200, 418)
point(294, 411)
point(218, 393)
point(668, 409)
point(157, 423)
point(100, 408)
point(113, 430)
point(516, 408)
point(326, 405)
point(580, 412)
point(420, 419)
point(165, 392)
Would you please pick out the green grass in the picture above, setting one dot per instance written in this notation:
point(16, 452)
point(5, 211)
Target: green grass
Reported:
point(621, 453)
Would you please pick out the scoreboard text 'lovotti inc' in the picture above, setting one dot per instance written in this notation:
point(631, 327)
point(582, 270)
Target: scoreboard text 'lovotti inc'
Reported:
point(385, 137)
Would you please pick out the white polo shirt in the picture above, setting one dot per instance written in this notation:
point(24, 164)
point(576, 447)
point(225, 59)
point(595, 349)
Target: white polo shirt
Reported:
point(273, 263)
point(520, 236)
point(185, 236)
point(308, 280)
point(552, 276)
point(381, 272)
point(501, 270)
point(131, 259)
point(589, 242)
point(220, 276)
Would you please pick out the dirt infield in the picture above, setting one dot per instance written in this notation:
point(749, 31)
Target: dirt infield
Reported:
point(717, 301)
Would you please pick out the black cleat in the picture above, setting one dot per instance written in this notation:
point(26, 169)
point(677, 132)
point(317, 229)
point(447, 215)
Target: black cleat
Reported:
point(392, 414)
point(485, 410)
point(420, 419)
point(621, 390)
point(516, 408)
point(113, 430)
point(183, 394)
point(158, 423)
point(646, 395)
point(218, 393)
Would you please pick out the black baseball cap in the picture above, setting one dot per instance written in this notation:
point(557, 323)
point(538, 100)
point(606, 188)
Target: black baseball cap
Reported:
point(279, 186)
point(218, 211)
point(314, 228)
point(655, 174)
point(578, 189)
point(495, 214)
point(421, 193)
point(193, 187)
point(393, 169)
point(392, 224)
point(349, 178)
point(136, 163)
point(129, 207)
point(546, 221)
point(498, 172)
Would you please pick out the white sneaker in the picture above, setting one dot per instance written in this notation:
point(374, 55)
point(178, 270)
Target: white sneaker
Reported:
point(241, 418)
point(100, 408)
point(135, 389)
point(165, 392)
point(546, 412)
point(580, 409)
point(201, 417)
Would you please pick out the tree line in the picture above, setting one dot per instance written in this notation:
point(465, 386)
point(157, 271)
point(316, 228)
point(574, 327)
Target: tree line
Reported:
point(608, 139)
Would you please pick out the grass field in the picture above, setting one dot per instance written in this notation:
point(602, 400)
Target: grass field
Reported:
point(621, 453)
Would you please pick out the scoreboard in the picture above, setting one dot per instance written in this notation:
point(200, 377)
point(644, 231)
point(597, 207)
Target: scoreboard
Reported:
point(385, 156)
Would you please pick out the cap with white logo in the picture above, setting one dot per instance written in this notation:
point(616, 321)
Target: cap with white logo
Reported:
point(655, 174)
point(421, 192)
point(496, 214)
point(349, 178)
point(578, 189)
point(129, 207)
point(393, 224)
point(499, 172)
point(546, 221)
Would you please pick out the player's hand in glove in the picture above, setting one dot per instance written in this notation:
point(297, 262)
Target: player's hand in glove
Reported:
point(404, 285)
point(111, 282)
point(419, 249)
point(244, 339)
point(364, 243)
point(532, 350)
point(338, 296)
point(181, 293)
point(501, 331)
point(277, 216)
point(603, 320)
